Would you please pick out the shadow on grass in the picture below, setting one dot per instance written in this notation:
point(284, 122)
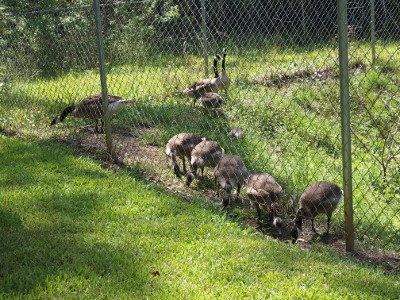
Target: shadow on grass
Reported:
point(33, 158)
point(56, 240)
point(48, 203)
point(173, 118)
point(31, 257)
point(24, 101)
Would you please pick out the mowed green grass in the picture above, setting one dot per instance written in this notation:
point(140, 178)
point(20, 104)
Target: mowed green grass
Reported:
point(292, 125)
point(70, 229)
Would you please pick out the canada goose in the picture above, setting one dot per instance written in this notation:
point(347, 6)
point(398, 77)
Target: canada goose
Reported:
point(321, 197)
point(181, 145)
point(230, 172)
point(264, 192)
point(214, 100)
point(205, 154)
point(211, 100)
point(224, 80)
point(236, 133)
point(203, 86)
point(278, 223)
point(92, 108)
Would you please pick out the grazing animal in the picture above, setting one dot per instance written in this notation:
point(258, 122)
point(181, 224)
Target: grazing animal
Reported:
point(223, 79)
point(205, 154)
point(266, 193)
point(236, 133)
point(230, 172)
point(214, 100)
point(181, 145)
point(209, 85)
point(278, 223)
point(211, 100)
point(92, 108)
point(321, 197)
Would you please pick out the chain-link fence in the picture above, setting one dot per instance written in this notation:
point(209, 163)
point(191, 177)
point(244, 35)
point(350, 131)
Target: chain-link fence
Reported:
point(284, 94)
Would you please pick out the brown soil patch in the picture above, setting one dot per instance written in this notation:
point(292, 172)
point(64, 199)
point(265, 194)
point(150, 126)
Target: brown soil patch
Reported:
point(389, 263)
point(8, 132)
point(128, 149)
point(286, 78)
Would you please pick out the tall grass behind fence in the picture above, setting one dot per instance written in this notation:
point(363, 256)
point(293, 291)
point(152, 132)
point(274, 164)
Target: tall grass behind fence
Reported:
point(284, 94)
point(375, 104)
point(49, 61)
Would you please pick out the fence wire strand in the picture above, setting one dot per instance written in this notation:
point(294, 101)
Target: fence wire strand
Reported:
point(280, 113)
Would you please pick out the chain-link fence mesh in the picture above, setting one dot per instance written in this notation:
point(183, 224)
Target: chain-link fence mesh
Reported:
point(282, 60)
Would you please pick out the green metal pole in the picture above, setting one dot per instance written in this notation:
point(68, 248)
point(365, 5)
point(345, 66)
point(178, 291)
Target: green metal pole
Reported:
point(345, 124)
point(373, 38)
point(204, 33)
point(103, 79)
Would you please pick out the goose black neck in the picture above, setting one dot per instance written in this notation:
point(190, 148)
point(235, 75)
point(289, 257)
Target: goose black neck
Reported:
point(223, 62)
point(65, 112)
point(216, 67)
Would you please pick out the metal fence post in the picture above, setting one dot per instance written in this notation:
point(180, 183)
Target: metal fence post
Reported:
point(204, 34)
point(373, 39)
point(345, 123)
point(103, 79)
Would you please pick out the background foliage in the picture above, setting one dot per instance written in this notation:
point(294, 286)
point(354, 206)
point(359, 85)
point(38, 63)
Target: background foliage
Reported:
point(134, 28)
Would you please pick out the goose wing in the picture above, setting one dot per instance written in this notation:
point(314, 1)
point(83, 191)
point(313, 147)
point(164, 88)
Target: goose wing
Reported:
point(97, 98)
point(199, 88)
point(214, 156)
point(264, 185)
point(89, 109)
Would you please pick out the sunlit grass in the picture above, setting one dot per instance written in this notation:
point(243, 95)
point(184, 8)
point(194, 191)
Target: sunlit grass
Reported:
point(71, 229)
point(292, 125)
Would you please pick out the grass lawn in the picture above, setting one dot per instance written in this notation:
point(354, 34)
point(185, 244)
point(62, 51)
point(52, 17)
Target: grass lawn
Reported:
point(70, 229)
point(286, 100)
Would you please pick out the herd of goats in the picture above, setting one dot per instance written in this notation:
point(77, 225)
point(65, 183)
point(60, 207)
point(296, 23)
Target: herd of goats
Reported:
point(263, 191)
